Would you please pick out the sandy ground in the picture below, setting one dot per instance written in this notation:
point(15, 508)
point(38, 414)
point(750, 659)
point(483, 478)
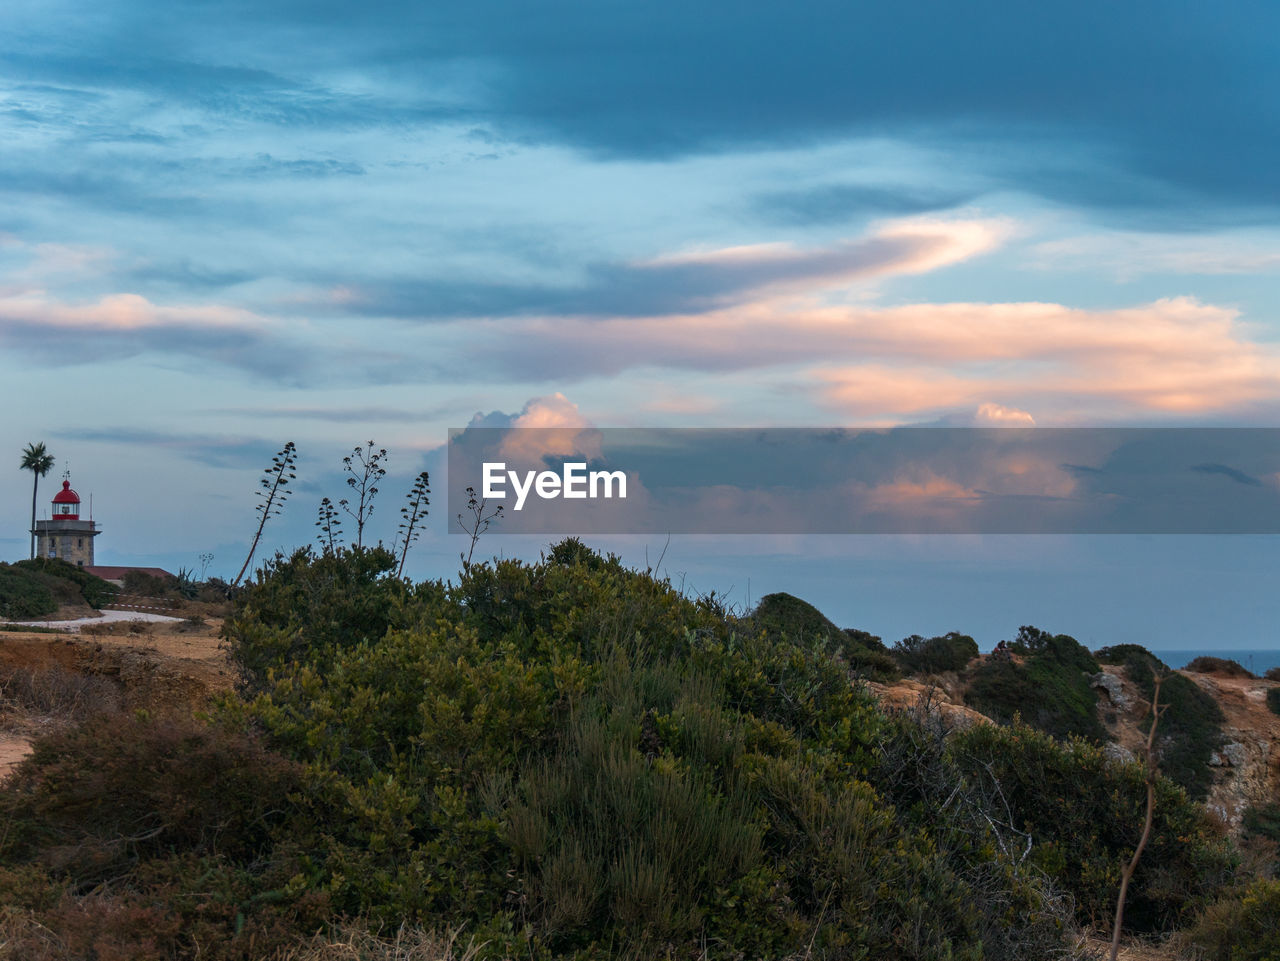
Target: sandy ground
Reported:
point(153, 661)
point(13, 748)
point(1133, 952)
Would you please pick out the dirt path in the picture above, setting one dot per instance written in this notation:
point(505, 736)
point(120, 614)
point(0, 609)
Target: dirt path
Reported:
point(105, 617)
point(1131, 951)
point(13, 748)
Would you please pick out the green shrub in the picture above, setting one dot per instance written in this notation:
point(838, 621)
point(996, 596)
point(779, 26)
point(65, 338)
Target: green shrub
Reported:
point(1084, 814)
point(1218, 665)
point(1273, 699)
point(24, 595)
point(787, 615)
point(89, 588)
point(642, 824)
point(147, 585)
point(934, 655)
point(1050, 690)
point(1272, 674)
point(1240, 927)
point(34, 588)
point(305, 607)
point(1263, 821)
point(1062, 648)
point(871, 664)
point(1120, 654)
point(574, 760)
point(1191, 728)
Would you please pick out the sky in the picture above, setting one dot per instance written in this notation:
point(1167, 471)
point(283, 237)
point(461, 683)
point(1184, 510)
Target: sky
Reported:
point(228, 225)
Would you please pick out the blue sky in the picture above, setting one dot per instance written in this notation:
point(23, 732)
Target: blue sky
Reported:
point(227, 225)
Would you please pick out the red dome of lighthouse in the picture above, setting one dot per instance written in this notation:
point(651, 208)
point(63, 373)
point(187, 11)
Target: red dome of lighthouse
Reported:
point(66, 503)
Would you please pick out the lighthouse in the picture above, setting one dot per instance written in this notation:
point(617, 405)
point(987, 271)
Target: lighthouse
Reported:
point(65, 535)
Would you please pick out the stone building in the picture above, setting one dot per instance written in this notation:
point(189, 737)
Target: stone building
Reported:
point(65, 535)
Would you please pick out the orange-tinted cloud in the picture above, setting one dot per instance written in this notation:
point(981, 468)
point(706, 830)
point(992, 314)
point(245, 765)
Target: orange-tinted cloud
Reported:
point(1008, 361)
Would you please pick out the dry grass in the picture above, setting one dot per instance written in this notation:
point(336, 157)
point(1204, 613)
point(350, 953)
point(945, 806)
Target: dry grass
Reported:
point(40, 695)
point(23, 938)
point(1131, 950)
point(112, 628)
point(407, 944)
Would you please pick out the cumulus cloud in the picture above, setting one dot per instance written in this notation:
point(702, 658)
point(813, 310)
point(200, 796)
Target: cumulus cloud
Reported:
point(997, 415)
point(548, 426)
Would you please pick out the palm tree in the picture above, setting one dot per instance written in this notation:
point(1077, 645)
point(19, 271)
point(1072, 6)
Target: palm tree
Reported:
point(39, 461)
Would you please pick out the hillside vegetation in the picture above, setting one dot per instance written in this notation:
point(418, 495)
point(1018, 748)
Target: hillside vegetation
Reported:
point(571, 760)
point(36, 588)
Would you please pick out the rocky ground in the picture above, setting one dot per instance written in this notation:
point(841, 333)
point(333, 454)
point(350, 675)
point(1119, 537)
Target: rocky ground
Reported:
point(1247, 767)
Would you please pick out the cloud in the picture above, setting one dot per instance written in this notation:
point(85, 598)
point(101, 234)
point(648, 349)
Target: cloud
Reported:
point(550, 426)
point(212, 450)
point(1239, 476)
point(996, 415)
point(336, 415)
point(126, 325)
point(696, 280)
point(836, 203)
point(1129, 254)
point(1091, 102)
point(1173, 356)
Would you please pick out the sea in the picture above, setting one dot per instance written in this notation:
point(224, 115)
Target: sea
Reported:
point(1257, 661)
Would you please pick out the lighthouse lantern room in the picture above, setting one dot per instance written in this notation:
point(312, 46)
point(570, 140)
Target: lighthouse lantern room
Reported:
point(65, 535)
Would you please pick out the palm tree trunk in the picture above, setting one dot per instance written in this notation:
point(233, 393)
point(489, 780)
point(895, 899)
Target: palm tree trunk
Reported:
point(35, 486)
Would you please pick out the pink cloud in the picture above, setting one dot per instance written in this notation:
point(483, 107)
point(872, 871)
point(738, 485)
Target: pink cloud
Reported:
point(1172, 356)
point(118, 312)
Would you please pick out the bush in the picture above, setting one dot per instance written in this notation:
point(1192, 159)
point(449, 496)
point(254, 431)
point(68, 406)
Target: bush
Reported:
point(788, 618)
point(1263, 821)
point(1241, 926)
point(148, 585)
point(1272, 674)
point(785, 615)
point(1084, 814)
point(34, 588)
point(134, 838)
point(934, 655)
point(1051, 690)
point(23, 595)
point(307, 607)
point(67, 694)
point(574, 760)
point(1218, 665)
point(163, 784)
point(1273, 699)
point(1120, 654)
point(86, 587)
point(1191, 728)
